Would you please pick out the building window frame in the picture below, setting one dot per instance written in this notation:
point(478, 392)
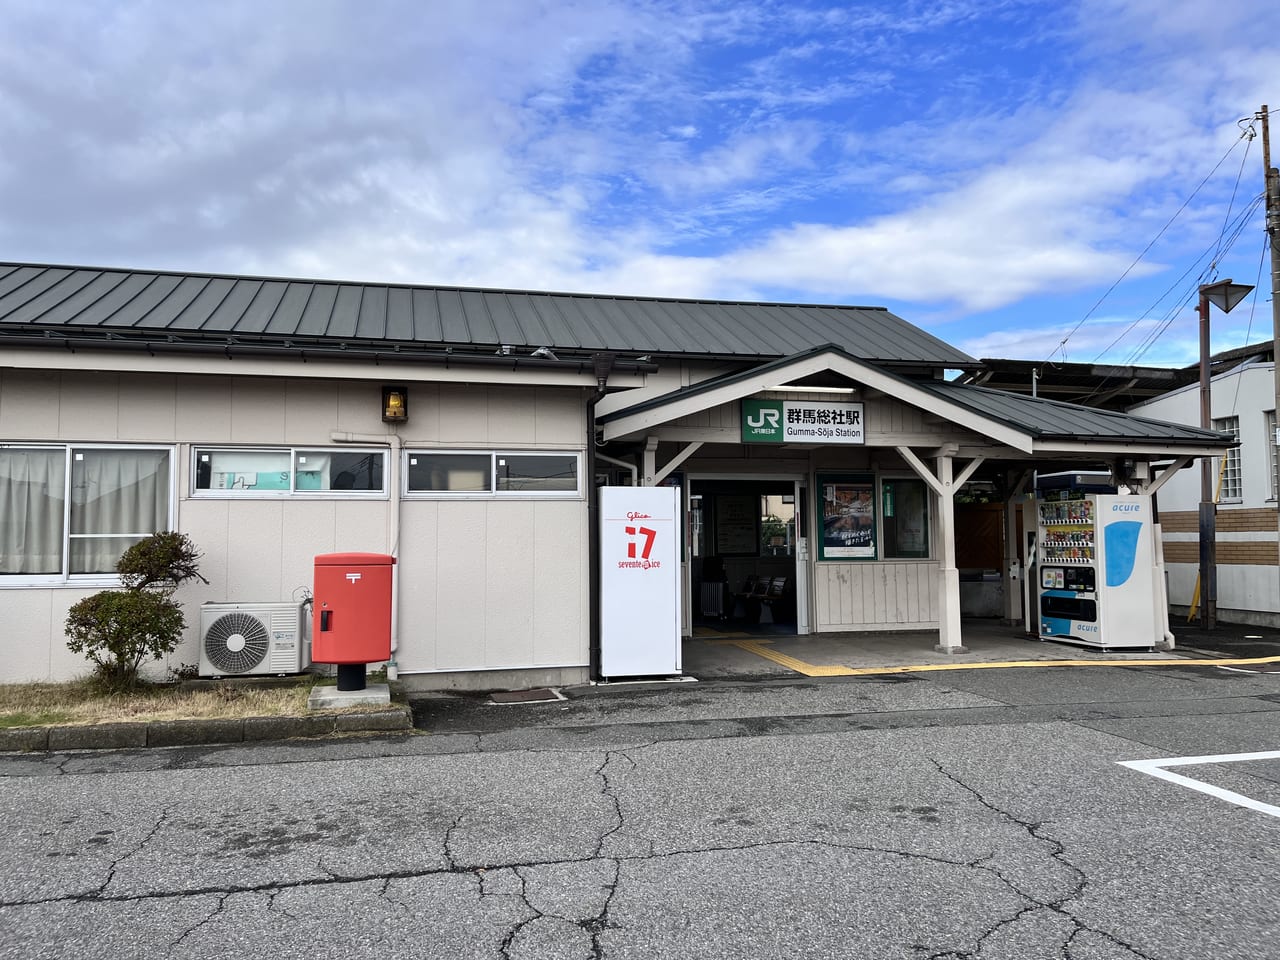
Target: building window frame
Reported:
point(890, 547)
point(496, 481)
point(67, 538)
point(1231, 489)
point(284, 479)
point(1270, 420)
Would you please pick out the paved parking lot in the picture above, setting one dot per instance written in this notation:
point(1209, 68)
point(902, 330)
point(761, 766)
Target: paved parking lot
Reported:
point(980, 813)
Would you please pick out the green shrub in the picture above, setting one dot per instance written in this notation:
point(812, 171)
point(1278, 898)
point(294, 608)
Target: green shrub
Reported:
point(161, 560)
point(118, 629)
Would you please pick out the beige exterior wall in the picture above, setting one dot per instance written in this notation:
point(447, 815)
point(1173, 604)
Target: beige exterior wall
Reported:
point(475, 592)
point(477, 595)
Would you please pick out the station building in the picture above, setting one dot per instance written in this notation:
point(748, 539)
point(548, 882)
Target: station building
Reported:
point(465, 432)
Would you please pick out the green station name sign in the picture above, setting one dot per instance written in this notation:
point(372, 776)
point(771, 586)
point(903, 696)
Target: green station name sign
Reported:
point(790, 421)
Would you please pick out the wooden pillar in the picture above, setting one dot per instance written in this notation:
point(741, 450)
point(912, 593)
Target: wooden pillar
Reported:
point(949, 639)
point(1013, 568)
point(649, 465)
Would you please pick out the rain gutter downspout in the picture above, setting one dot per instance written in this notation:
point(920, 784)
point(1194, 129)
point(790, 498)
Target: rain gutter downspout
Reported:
point(603, 366)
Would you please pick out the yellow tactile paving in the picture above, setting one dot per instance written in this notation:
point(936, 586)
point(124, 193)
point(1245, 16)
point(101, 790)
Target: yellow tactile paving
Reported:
point(791, 663)
point(815, 670)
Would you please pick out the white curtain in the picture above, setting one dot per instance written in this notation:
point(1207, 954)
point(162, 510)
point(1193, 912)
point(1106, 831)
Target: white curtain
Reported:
point(32, 485)
point(117, 498)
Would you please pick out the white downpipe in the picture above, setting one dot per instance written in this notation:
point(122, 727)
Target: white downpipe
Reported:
point(635, 471)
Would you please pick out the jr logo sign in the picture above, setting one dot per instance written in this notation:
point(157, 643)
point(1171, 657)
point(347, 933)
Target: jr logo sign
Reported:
point(761, 421)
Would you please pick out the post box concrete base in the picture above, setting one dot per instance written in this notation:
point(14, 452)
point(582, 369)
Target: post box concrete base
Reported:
point(331, 698)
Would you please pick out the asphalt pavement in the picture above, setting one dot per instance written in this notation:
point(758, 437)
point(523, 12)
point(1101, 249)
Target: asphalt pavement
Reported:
point(981, 813)
point(1227, 639)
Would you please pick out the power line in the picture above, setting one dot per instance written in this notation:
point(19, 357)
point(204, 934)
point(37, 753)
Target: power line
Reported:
point(1062, 344)
point(1223, 246)
point(1253, 304)
point(1220, 246)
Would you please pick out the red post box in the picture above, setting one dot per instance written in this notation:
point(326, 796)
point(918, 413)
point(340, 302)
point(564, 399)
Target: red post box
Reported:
point(352, 613)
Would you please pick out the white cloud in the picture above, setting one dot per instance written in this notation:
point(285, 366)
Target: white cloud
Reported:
point(677, 148)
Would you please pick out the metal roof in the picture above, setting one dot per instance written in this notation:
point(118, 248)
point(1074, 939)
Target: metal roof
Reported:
point(1052, 419)
point(1111, 386)
point(1042, 419)
point(139, 303)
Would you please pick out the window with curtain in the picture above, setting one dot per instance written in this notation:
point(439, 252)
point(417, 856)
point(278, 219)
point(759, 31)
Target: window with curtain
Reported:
point(32, 499)
point(67, 511)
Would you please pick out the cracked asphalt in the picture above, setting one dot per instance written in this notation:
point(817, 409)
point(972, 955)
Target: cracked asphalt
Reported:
point(972, 814)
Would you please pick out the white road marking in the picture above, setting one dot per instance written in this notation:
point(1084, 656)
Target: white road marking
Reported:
point(1156, 768)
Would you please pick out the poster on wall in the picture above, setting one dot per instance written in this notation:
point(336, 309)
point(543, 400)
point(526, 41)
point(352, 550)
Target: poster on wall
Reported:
point(848, 517)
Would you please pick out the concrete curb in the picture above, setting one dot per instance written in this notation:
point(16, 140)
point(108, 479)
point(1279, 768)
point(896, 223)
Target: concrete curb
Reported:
point(184, 733)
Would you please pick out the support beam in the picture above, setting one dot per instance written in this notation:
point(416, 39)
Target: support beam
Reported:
point(1167, 474)
point(968, 472)
point(674, 462)
point(923, 472)
point(652, 473)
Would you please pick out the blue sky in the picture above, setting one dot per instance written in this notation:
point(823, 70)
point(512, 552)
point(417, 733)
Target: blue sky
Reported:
point(987, 170)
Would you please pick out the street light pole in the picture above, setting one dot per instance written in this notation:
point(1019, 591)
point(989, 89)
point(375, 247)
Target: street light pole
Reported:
point(1271, 185)
point(1224, 295)
point(1208, 508)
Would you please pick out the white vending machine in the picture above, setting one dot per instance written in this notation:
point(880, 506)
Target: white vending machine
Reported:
point(1097, 570)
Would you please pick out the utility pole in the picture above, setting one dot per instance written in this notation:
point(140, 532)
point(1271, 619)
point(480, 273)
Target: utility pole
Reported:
point(1272, 206)
point(1273, 228)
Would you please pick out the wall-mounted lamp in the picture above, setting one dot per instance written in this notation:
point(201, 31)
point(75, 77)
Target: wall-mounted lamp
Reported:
point(395, 404)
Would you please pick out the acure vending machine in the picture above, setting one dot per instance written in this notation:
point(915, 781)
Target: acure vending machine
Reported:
point(1097, 570)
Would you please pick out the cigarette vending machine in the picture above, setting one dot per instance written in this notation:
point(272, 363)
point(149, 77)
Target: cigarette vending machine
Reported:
point(1097, 570)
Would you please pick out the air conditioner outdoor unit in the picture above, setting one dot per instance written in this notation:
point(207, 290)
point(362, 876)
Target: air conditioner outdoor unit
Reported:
point(244, 639)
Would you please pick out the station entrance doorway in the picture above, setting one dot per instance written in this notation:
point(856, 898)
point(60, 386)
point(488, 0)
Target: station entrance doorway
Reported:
point(747, 553)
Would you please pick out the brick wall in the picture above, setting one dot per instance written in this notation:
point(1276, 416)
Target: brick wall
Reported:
point(1244, 520)
point(1260, 553)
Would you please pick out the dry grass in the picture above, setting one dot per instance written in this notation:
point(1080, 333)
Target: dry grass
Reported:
point(36, 704)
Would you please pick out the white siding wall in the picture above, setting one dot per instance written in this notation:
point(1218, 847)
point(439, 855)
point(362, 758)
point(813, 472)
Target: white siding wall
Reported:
point(484, 584)
point(889, 595)
point(1246, 393)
